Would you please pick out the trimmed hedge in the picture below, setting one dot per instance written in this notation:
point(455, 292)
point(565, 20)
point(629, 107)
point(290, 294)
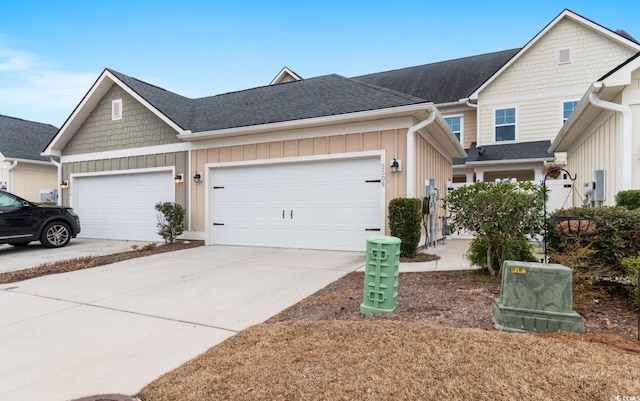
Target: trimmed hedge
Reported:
point(405, 221)
point(629, 199)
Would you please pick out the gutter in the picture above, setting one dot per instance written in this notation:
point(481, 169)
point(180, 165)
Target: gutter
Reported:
point(625, 112)
point(468, 103)
point(411, 151)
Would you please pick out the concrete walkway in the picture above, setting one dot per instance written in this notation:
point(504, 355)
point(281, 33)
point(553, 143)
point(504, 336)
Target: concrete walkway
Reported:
point(452, 257)
point(115, 328)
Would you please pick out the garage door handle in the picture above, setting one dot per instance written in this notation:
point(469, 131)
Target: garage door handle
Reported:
point(283, 213)
point(292, 213)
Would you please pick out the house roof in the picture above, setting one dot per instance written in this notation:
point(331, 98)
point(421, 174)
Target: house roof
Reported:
point(445, 81)
point(523, 151)
point(619, 35)
point(22, 139)
point(318, 101)
point(310, 98)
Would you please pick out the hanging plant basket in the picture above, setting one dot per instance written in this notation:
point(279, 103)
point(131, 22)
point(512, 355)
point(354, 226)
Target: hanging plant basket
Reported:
point(549, 171)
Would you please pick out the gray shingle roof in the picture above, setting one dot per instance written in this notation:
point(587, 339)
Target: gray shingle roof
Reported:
point(442, 82)
point(509, 151)
point(315, 97)
point(22, 139)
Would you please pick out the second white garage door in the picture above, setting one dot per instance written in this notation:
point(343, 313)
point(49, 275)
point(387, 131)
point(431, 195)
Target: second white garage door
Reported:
point(122, 206)
point(334, 204)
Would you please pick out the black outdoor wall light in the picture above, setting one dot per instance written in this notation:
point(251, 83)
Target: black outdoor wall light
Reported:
point(197, 177)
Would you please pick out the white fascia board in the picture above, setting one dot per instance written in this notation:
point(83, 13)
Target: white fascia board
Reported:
point(509, 161)
point(299, 124)
point(564, 14)
point(285, 71)
point(130, 152)
point(27, 161)
point(445, 139)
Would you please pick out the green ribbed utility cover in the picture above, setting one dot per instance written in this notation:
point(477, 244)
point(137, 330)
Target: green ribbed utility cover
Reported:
point(536, 297)
point(381, 275)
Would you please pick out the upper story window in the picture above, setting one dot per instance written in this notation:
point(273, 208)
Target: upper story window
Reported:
point(116, 109)
point(455, 123)
point(505, 124)
point(567, 108)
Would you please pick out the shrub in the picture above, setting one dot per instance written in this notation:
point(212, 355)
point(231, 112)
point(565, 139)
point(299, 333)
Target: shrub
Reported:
point(503, 215)
point(629, 199)
point(170, 220)
point(631, 267)
point(613, 233)
point(513, 249)
point(404, 222)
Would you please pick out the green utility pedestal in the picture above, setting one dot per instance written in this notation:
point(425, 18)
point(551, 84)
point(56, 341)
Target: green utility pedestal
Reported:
point(536, 297)
point(381, 275)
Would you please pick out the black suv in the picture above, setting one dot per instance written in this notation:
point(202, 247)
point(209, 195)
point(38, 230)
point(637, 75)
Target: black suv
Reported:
point(22, 221)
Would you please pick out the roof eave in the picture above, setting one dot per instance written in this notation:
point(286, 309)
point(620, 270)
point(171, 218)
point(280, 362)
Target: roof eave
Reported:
point(508, 161)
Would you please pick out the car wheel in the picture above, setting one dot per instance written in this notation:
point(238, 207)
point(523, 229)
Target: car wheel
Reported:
point(20, 244)
point(55, 235)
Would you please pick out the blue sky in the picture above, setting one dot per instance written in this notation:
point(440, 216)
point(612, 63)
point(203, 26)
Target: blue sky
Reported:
point(51, 52)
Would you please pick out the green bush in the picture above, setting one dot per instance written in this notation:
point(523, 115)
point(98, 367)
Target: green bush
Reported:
point(405, 219)
point(631, 267)
point(614, 234)
point(513, 249)
point(629, 199)
point(170, 220)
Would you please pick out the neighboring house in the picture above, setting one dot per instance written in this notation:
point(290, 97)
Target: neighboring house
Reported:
point(507, 107)
point(603, 134)
point(23, 171)
point(302, 164)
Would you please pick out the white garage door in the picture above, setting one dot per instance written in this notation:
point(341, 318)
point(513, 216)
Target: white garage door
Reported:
point(315, 205)
point(122, 206)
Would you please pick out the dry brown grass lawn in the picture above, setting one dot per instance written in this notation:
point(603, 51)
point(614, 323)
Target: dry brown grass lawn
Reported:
point(390, 360)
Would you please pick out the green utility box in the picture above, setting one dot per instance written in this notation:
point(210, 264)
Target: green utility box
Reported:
point(381, 275)
point(536, 297)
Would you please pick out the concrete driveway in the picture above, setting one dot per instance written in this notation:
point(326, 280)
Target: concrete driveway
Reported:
point(16, 258)
point(115, 328)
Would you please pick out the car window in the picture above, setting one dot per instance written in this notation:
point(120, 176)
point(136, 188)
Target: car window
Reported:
point(9, 201)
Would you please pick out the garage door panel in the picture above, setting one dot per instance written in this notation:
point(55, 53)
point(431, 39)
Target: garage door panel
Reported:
point(326, 205)
point(122, 206)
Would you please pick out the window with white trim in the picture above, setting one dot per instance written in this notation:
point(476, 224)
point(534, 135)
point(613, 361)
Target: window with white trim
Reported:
point(505, 124)
point(567, 109)
point(455, 123)
point(116, 109)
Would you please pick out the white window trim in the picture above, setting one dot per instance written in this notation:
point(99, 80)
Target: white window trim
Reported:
point(116, 109)
point(493, 126)
point(461, 126)
point(559, 51)
point(562, 119)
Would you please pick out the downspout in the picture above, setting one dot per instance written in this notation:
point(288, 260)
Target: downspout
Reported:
point(9, 176)
point(626, 133)
point(59, 167)
point(411, 152)
point(473, 106)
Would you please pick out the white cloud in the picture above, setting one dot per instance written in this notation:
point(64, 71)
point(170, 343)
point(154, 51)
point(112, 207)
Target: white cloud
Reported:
point(32, 90)
point(11, 60)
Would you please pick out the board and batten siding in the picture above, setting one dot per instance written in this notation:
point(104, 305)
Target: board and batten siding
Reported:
point(392, 141)
point(179, 160)
point(138, 127)
point(430, 163)
point(28, 181)
point(599, 151)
